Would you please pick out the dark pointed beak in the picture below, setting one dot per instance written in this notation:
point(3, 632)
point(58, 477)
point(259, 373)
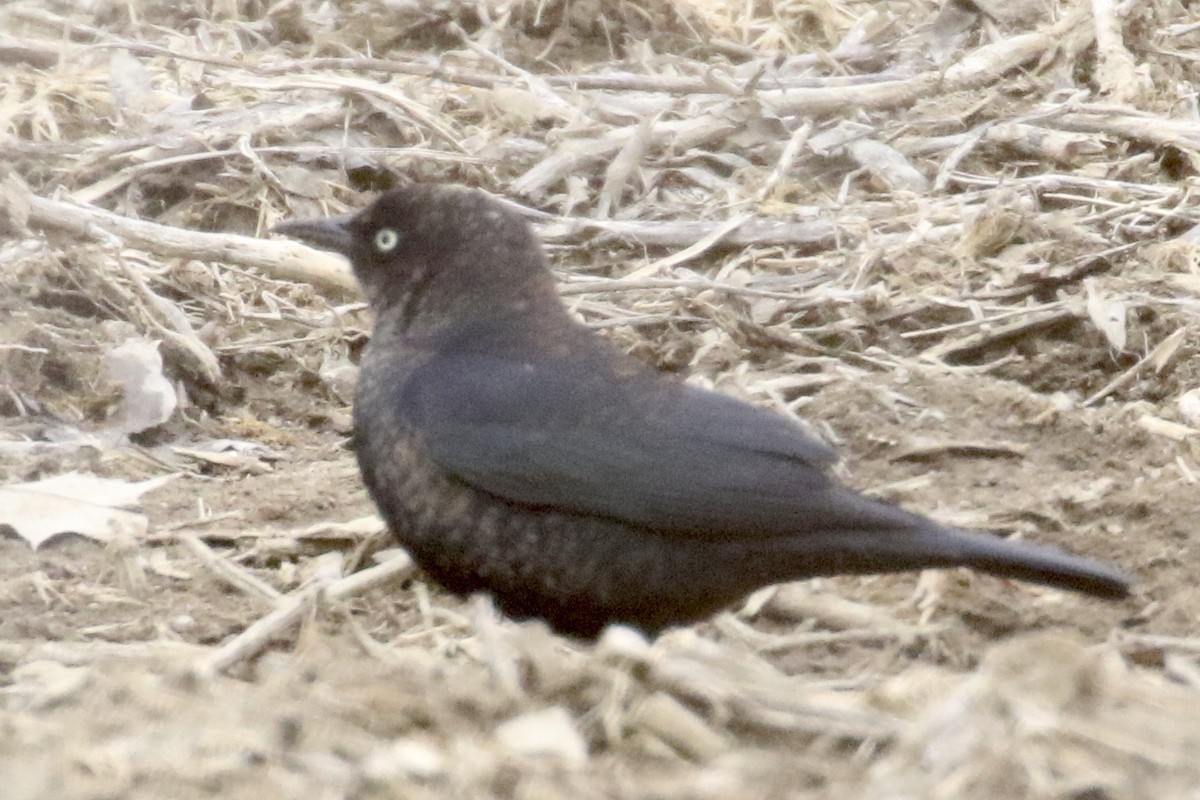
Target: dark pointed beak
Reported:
point(327, 233)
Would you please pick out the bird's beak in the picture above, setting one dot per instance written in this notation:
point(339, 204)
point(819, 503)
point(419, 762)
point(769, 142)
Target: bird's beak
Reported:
point(327, 233)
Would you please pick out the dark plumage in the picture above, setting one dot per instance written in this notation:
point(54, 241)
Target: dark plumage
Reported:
point(514, 451)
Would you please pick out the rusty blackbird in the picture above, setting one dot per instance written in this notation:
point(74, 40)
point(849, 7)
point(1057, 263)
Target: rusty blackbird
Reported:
point(514, 451)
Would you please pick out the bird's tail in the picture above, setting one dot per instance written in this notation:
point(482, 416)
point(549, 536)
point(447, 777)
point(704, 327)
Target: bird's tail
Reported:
point(928, 545)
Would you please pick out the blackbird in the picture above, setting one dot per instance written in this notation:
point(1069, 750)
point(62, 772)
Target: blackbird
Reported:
point(514, 451)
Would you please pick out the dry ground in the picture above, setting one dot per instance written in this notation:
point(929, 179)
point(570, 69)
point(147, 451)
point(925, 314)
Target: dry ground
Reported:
point(963, 246)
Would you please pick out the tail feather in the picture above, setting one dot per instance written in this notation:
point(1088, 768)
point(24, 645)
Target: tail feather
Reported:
point(1040, 564)
point(929, 546)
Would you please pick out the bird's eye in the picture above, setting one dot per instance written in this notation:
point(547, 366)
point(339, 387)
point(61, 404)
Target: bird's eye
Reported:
point(386, 240)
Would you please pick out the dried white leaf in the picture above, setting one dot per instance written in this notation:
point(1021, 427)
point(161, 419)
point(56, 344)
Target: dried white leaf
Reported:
point(404, 757)
point(548, 732)
point(1189, 407)
point(75, 503)
point(148, 398)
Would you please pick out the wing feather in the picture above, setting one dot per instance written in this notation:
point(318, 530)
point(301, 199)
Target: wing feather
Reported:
point(636, 447)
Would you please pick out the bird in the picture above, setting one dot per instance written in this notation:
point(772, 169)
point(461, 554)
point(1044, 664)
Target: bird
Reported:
point(516, 452)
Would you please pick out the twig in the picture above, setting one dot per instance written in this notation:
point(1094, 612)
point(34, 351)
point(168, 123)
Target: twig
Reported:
point(291, 608)
point(234, 575)
point(1158, 359)
point(973, 343)
point(280, 259)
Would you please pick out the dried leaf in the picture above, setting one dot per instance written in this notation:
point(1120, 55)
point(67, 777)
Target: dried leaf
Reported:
point(75, 503)
point(148, 398)
point(1189, 407)
point(547, 732)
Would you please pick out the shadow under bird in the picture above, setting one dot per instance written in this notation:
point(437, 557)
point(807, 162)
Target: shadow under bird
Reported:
point(514, 451)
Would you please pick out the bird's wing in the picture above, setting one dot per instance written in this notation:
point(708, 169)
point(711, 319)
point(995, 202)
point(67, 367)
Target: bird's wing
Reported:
point(638, 448)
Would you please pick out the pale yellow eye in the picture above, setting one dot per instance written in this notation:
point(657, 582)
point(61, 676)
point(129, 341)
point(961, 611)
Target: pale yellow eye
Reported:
point(386, 240)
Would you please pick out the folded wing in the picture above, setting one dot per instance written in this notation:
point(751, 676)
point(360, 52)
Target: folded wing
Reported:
point(637, 447)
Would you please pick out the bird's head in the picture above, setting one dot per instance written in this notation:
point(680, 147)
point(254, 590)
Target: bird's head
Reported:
point(435, 255)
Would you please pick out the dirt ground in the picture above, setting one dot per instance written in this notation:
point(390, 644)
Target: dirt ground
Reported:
point(993, 317)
